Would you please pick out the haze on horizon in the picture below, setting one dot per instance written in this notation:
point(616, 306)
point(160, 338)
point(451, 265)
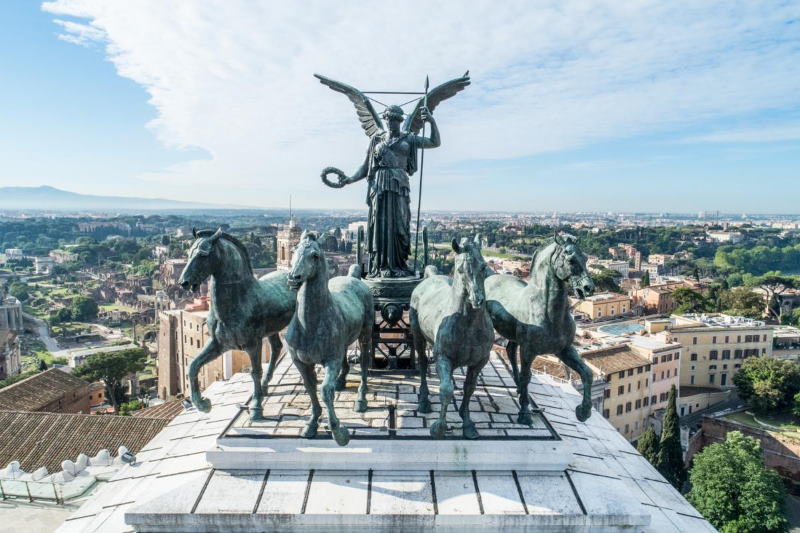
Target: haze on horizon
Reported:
point(574, 106)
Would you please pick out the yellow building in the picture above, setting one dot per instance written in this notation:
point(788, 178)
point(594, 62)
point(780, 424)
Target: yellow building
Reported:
point(627, 399)
point(715, 345)
point(604, 305)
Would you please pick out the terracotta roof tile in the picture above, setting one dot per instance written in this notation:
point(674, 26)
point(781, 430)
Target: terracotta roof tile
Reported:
point(35, 392)
point(165, 411)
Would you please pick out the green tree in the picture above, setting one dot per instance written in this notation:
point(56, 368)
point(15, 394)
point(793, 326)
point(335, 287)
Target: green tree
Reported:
point(796, 405)
point(127, 408)
point(648, 445)
point(734, 491)
point(19, 290)
point(645, 281)
point(773, 284)
point(689, 301)
point(111, 368)
point(669, 460)
point(605, 280)
point(42, 365)
point(742, 301)
point(84, 308)
point(768, 383)
point(62, 314)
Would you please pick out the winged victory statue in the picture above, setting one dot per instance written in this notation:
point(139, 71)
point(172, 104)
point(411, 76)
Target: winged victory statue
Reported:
point(391, 158)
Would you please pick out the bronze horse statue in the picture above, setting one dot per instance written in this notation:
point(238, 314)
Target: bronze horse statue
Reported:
point(330, 316)
point(243, 310)
point(536, 315)
point(451, 315)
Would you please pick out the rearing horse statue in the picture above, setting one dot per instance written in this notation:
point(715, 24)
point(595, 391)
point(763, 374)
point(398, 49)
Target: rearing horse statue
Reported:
point(536, 315)
point(451, 315)
point(331, 315)
point(243, 310)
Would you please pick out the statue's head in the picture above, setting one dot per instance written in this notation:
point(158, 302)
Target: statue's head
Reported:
point(200, 264)
point(570, 265)
point(307, 260)
point(471, 270)
point(393, 115)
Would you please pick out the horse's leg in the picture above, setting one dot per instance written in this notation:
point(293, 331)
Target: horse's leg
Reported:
point(254, 407)
point(364, 345)
point(445, 370)
point(424, 402)
point(341, 380)
point(527, 355)
point(511, 350)
point(209, 352)
point(332, 368)
point(572, 359)
point(469, 387)
point(310, 383)
point(275, 347)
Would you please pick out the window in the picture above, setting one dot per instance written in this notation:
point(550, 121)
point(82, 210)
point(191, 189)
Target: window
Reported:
point(638, 385)
point(677, 355)
point(713, 354)
point(627, 428)
point(619, 409)
point(622, 374)
point(640, 370)
point(726, 339)
point(620, 390)
point(724, 367)
point(694, 340)
point(714, 339)
point(628, 406)
point(654, 376)
point(711, 378)
point(738, 338)
point(737, 354)
point(668, 374)
point(712, 367)
point(663, 358)
point(638, 404)
point(693, 357)
point(765, 338)
point(691, 380)
point(737, 366)
point(629, 387)
point(605, 413)
point(653, 399)
point(726, 354)
point(723, 379)
point(646, 401)
point(607, 393)
point(662, 397)
point(630, 372)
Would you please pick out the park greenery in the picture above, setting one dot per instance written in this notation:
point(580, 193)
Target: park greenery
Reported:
point(112, 368)
point(733, 489)
point(665, 452)
point(768, 384)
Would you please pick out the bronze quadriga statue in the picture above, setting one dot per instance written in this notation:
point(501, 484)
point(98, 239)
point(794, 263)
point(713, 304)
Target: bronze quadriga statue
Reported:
point(536, 315)
point(243, 310)
point(451, 315)
point(330, 316)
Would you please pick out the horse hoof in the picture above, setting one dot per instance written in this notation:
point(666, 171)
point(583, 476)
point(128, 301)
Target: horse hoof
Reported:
point(203, 405)
point(341, 435)
point(469, 431)
point(310, 431)
point(437, 429)
point(424, 406)
point(256, 414)
point(582, 412)
point(360, 405)
point(526, 419)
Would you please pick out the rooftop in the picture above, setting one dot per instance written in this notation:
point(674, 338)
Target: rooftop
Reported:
point(45, 439)
point(172, 481)
point(165, 411)
point(715, 320)
point(607, 296)
point(37, 391)
point(614, 359)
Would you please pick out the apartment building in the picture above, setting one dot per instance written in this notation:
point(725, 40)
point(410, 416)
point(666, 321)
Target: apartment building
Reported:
point(715, 345)
point(627, 398)
point(604, 305)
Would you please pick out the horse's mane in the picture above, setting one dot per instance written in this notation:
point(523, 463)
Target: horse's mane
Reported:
point(233, 240)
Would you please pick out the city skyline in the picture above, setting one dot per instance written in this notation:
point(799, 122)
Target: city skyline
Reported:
point(651, 108)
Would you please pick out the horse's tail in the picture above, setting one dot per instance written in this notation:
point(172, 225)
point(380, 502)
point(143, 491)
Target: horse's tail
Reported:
point(430, 270)
point(354, 271)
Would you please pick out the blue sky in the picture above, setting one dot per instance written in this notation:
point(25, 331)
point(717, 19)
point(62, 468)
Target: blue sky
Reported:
point(574, 106)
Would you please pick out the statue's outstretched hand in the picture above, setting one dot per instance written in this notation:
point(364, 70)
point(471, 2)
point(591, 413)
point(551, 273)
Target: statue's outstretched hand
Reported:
point(341, 176)
point(425, 114)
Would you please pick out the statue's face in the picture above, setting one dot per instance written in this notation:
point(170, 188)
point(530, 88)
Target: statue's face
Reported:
point(471, 269)
point(572, 267)
point(306, 260)
point(199, 265)
point(394, 123)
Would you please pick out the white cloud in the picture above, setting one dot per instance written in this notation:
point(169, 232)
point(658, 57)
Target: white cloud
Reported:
point(234, 77)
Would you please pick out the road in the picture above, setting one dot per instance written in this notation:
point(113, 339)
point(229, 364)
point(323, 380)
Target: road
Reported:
point(43, 332)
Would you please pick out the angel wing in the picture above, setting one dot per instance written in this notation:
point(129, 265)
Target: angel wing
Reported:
point(370, 120)
point(413, 122)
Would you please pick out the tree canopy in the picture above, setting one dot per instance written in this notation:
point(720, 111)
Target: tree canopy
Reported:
point(112, 368)
point(669, 460)
point(648, 445)
point(734, 491)
point(768, 383)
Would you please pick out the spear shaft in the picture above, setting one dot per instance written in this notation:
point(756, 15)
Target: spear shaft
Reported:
point(421, 170)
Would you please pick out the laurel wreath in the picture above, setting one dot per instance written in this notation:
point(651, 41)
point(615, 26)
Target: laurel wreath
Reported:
point(339, 174)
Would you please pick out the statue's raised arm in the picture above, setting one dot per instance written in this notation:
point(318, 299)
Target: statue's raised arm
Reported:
point(415, 119)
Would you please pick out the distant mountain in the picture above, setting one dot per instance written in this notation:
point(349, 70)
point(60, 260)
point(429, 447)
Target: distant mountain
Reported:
point(47, 198)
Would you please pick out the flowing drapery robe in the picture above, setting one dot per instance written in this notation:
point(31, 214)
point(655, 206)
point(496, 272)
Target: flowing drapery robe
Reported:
point(390, 162)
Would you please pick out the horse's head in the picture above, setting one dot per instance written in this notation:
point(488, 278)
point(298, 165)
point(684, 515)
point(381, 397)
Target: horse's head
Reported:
point(202, 259)
point(569, 265)
point(307, 260)
point(470, 270)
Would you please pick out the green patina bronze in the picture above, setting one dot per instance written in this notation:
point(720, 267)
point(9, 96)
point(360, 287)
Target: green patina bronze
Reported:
point(451, 315)
point(536, 315)
point(391, 158)
point(330, 316)
point(243, 310)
